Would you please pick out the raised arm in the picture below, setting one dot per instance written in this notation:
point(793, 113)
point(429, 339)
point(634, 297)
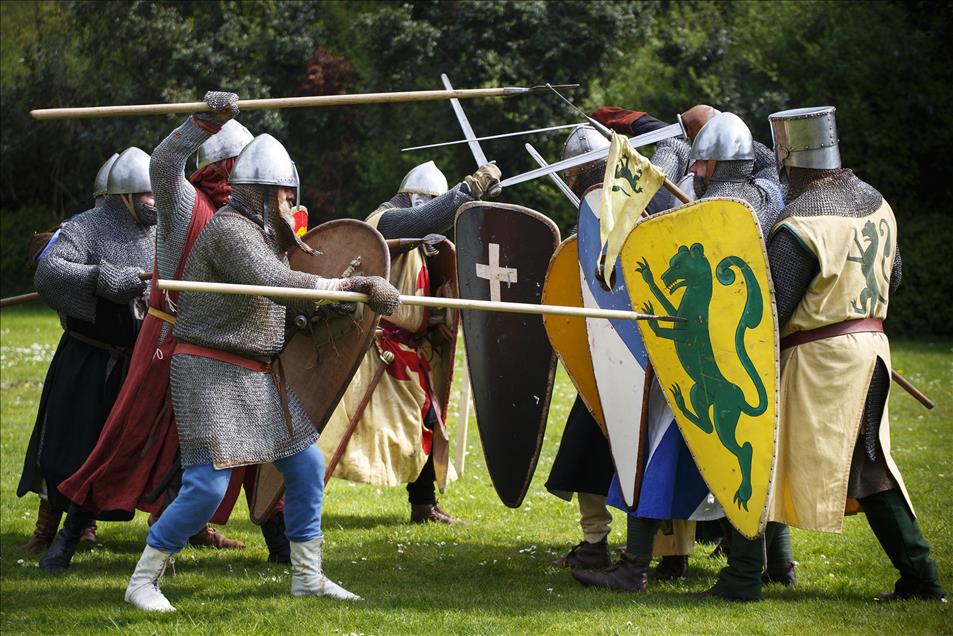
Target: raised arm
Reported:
point(174, 195)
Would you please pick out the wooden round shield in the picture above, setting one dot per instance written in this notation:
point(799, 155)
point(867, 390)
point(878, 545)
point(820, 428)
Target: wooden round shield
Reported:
point(323, 355)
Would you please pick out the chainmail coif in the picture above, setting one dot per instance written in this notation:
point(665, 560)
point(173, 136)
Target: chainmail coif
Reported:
point(226, 414)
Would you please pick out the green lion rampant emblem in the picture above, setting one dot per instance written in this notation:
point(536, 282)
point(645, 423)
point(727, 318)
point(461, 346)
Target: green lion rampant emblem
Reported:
point(622, 171)
point(718, 403)
point(866, 303)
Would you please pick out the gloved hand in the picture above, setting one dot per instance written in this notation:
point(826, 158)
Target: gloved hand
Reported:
point(384, 297)
point(696, 117)
point(224, 106)
point(119, 284)
point(481, 181)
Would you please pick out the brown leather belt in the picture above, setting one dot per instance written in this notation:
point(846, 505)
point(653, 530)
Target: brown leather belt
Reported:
point(274, 369)
point(861, 325)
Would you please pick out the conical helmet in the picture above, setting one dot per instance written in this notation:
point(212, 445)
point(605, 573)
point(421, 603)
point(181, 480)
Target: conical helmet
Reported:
point(99, 185)
point(424, 179)
point(129, 174)
point(806, 138)
point(227, 142)
point(724, 138)
point(264, 161)
point(583, 139)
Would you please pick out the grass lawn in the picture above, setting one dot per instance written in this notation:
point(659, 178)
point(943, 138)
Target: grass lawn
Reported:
point(492, 576)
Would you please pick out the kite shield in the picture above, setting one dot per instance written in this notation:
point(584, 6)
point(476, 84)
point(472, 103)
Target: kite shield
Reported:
point(618, 356)
point(719, 368)
point(566, 334)
point(503, 252)
point(324, 353)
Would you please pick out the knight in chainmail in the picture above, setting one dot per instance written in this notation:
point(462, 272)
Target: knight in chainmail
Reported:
point(583, 464)
point(91, 277)
point(400, 431)
point(232, 405)
point(48, 519)
point(835, 261)
point(137, 450)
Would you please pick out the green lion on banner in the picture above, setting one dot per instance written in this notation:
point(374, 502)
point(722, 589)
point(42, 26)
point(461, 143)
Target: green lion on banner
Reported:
point(718, 403)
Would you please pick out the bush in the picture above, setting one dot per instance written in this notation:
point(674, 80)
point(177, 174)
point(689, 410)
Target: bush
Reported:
point(17, 227)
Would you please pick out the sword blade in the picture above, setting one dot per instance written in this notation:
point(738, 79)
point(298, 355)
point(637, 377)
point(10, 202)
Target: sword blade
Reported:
point(475, 148)
point(673, 130)
point(553, 176)
point(531, 131)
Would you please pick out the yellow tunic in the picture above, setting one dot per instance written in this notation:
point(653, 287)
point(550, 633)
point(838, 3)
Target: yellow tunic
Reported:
point(824, 383)
point(386, 448)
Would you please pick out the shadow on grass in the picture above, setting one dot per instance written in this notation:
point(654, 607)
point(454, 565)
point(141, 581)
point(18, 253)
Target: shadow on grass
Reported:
point(417, 576)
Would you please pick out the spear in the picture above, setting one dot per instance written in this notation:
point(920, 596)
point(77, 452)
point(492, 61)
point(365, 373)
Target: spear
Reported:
point(420, 301)
point(311, 101)
point(28, 298)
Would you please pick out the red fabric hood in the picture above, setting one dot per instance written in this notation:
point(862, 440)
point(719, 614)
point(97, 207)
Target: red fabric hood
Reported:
point(213, 180)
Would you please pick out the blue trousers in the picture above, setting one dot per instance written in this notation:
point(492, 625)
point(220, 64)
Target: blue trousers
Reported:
point(203, 489)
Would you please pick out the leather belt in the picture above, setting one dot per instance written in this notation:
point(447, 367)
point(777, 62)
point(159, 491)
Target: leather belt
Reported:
point(274, 369)
point(861, 325)
point(115, 351)
point(161, 315)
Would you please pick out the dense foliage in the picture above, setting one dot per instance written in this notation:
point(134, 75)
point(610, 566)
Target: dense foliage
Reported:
point(883, 64)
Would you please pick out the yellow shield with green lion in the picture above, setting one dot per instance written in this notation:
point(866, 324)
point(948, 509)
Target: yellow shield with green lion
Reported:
point(706, 262)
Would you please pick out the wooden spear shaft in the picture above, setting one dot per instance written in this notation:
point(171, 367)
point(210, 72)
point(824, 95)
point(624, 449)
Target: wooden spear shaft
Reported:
point(420, 301)
point(27, 298)
point(316, 101)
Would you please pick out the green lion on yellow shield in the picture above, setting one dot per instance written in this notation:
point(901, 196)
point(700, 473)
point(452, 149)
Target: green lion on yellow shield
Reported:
point(717, 403)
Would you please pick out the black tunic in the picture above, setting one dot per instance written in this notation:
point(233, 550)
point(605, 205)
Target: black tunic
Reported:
point(81, 386)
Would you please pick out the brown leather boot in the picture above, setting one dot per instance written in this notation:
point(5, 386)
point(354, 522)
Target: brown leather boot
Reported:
point(629, 574)
point(89, 533)
point(586, 556)
point(47, 523)
point(432, 513)
point(209, 536)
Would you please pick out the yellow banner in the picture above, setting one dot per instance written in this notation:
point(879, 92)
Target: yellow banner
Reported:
point(630, 183)
point(706, 262)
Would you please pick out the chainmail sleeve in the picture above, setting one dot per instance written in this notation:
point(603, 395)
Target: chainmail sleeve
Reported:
point(671, 157)
point(897, 272)
point(793, 268)
point(251, 261)
point(435, 216)
point(65, 277)
point(175, 196)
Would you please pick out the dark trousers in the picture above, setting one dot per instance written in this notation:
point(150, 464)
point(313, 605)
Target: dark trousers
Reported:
point(422, 490)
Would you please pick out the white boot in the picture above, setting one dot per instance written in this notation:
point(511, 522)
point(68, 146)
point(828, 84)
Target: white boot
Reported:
point(307, 577)
point(143, 589)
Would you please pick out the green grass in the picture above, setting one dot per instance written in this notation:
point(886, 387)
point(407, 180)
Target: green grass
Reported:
point(492, 576)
